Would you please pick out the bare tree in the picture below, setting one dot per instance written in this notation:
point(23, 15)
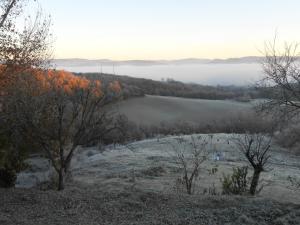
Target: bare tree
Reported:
point(190, 154)
point(9, 10)
point(282, 79)
point(59, 113)
point(256, 148)
point(22, 49)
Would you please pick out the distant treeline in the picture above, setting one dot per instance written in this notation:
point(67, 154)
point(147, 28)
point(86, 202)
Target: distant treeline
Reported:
point(134, 87)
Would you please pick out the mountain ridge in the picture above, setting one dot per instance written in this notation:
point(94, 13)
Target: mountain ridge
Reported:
point(108, 62)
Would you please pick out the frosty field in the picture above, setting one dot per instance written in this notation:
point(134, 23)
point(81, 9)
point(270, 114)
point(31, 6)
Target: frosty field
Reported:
point(135, 184)
point(151, 165)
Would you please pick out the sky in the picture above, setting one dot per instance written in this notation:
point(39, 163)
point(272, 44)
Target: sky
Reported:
point(168, 29)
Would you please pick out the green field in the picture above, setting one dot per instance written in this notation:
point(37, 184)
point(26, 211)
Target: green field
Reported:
point(152, 110)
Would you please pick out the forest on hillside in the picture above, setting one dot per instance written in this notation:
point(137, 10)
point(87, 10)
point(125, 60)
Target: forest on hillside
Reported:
point(135, 87)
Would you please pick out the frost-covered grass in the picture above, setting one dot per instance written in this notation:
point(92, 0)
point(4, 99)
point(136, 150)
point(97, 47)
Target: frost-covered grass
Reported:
point(90, 205)
point(150, 165)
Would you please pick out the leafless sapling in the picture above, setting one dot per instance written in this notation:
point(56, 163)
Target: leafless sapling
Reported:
point(190, 154)
point(257, 150)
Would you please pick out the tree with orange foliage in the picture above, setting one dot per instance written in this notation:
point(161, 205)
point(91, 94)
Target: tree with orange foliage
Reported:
point(59, 111)
point(21, 48)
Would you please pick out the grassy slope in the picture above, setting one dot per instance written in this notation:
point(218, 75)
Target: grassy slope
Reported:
point(88, 205)
point(104, 192)
point(154, 109)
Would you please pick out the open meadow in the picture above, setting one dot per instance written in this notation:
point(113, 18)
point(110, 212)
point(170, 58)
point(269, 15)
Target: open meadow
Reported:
point(152, 110)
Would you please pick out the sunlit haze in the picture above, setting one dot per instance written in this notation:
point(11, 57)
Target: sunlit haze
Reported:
point(168, 29)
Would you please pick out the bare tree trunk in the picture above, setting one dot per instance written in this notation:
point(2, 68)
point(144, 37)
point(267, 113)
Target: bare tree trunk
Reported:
point(6, 13)
point(187, 183)
point(61, 185)
point(188, 187)
point(254, 181)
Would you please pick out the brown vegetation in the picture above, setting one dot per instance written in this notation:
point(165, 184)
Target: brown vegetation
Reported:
point(134, 87)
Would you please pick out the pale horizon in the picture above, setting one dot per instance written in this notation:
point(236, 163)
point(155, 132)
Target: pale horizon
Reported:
point(168, 30)
point(158, 59)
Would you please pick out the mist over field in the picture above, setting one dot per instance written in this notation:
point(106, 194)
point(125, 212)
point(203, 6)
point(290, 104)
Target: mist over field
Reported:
point(242, 74)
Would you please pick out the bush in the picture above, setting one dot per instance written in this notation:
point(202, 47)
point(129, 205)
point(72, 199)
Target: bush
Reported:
point(189, 154)
point(129, 131)
point(236, 183)
point(50, 184)
point(10, 164)
point(289, 137)
point(11, 158)
point(294, 181)
point(155, 171)
point(7, 178)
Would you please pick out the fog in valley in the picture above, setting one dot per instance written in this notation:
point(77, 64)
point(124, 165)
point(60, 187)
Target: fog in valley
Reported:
point(207, 74)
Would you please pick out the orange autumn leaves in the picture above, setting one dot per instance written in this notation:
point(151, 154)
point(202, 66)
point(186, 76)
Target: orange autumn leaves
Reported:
point(60, 80)
point(115, 87)
point(57, 80)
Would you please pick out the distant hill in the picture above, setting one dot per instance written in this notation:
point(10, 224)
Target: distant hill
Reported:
point(247, 59)
point(107, 62)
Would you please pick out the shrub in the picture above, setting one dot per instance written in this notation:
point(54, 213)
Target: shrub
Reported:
point(294, 181)
point(212, 190)
point(289, 136)
point(7, 178)
point(129, 131)
point(235, 183)
point(189, 155)
point(50, 184)
point(155, 171)
point(12, 158)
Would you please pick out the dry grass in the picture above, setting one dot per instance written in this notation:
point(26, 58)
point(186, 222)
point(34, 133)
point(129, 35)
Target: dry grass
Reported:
point(122, 186)
point(152, 110)
point(90, 205)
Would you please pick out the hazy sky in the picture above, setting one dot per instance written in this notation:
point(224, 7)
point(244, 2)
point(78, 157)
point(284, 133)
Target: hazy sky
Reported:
point(169, 29)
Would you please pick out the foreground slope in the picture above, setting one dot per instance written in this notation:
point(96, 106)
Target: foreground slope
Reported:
point(136, 184)
point(91, 205)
